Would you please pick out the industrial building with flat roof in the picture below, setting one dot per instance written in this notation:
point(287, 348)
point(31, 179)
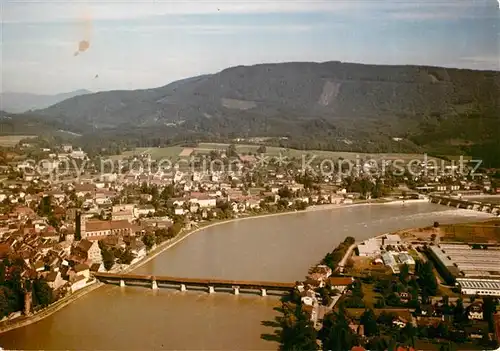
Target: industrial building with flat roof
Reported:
point(374, 246)
point(471, 269)
point(480, 287)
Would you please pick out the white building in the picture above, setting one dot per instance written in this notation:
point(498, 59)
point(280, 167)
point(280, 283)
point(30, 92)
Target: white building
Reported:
point(481, 287)
point(369, 248)
point(79, 282)
point(78, 154)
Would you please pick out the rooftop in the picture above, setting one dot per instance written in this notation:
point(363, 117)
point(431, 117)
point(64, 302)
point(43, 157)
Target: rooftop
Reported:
point(489, 284)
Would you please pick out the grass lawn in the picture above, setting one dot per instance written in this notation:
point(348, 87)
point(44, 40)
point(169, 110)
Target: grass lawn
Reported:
point(371, 296)
point(357, 312)
point(13, 140)
point(362, 266)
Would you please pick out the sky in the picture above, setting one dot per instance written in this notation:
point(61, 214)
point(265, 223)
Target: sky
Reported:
point(145, 44)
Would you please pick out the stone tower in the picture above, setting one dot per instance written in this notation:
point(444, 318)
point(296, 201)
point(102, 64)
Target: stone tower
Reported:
point(28, 298)
point(80, 230)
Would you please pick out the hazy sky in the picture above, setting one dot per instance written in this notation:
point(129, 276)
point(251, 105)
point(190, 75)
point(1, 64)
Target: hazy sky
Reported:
point(144, 44)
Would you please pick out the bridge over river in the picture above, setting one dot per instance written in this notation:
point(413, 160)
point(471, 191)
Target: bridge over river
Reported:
point(155, 282)
point(466, 204)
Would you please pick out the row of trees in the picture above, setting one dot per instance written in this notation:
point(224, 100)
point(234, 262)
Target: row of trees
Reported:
point(332, 259)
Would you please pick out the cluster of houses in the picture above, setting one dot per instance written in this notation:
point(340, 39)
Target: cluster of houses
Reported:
point(320, 277)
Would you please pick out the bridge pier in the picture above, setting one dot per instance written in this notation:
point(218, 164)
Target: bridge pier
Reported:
point(263, 292)
point(183, 287)
point(449, 203)
point(439, 202)
point(236, 290)
point(211, 289)
point(154, 285)
point(122, 283)
point(458, 205)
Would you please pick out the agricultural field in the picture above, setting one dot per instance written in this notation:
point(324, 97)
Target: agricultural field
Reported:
point(176, 152)
point(157, 153)
point(13, 140)
point(479, 232)
point(291, 153)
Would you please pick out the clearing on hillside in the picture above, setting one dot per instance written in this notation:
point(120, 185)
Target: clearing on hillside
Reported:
point(13, 140)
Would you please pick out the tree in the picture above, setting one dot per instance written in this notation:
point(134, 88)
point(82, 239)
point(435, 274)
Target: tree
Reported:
point(126, 257)
point(369, 322)
point(262, 149)
point(404, 273)
point(436, 224)
point(459, 312)
point(4, 302)
point(148, 240)
point(231, 151)
point(408, 334)
point(489, 309)
point(45, 207)
point(426, 279)
point(297, 331)
point(336, 333)
point(108, 257)
point(42, 292)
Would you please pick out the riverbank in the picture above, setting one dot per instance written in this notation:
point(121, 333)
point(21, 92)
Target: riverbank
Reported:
point(23, 321)
point(184, 235)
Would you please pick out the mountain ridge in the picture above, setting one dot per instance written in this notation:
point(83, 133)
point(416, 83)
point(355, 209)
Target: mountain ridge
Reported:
point(18, 102)
point(328, 105)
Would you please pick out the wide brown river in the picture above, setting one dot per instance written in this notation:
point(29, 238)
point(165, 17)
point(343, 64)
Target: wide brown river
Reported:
point(280, 248)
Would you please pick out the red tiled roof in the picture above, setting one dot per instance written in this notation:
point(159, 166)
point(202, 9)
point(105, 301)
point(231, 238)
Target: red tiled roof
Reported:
point(4, 249)
point(340, 280)
point(93, 226)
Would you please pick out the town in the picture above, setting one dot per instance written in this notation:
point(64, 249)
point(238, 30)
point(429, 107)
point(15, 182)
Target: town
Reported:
point(66, 215)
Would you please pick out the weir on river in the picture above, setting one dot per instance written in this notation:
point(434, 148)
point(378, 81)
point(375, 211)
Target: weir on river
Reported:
point(465, 204)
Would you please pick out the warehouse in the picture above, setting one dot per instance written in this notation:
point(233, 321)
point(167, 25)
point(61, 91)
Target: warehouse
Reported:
point(481, 287)
point(465, 262)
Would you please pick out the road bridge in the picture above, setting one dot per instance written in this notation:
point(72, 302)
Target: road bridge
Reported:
point(466, 204)
point(156, 281)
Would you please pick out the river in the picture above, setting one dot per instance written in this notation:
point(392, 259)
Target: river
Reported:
point(280, 248)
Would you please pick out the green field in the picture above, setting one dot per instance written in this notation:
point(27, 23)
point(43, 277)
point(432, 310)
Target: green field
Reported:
point(13, 140)
point(173, 152)
point(290, 153)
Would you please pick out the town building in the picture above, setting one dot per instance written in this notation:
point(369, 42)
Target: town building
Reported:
point(88, 251)
point(96, 230)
